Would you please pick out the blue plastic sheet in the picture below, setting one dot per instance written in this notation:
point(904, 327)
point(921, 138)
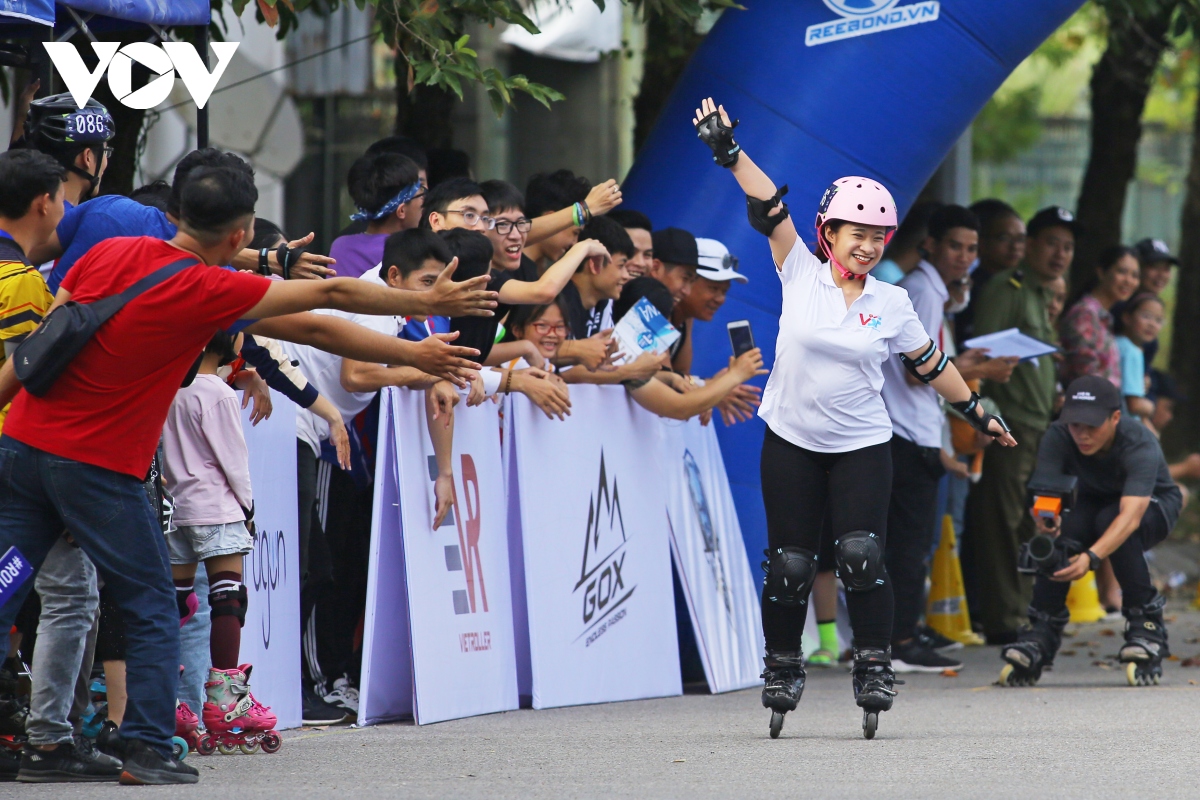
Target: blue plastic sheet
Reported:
point(884, 103)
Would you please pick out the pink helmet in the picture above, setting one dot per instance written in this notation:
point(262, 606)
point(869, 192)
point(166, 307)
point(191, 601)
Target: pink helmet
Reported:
point(855, 199)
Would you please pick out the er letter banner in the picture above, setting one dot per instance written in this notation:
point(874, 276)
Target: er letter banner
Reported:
point(600, 601)
point(457, 576)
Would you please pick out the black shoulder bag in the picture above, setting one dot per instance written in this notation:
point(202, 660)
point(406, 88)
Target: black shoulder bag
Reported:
point(42, 357)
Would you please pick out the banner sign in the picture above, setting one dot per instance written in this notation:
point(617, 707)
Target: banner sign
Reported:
point(460, 622)
point(710, 557)
point(271, 635)
point(598, 590)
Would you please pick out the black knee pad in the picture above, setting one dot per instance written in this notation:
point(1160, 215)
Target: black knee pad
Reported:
point(790, 575)
point(859, 557)
point(226, 602)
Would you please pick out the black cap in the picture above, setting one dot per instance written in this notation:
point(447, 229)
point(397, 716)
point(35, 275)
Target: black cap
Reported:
point(1090, 400)
point(1051, 216)
point(1149, 251)
point(676, 246)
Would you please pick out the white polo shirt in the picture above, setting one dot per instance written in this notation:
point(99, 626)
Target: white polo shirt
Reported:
point(823, 393)
point(324, 371)
point(916, 411)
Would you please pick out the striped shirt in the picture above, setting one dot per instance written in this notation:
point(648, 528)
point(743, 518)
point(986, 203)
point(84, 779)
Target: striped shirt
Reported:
point(24, 297)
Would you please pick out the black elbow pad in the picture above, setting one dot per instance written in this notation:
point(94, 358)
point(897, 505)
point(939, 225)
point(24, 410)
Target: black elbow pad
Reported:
point(757, 210)
point(912, 364)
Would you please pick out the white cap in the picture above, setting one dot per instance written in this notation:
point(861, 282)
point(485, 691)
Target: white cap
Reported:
point(716, 263)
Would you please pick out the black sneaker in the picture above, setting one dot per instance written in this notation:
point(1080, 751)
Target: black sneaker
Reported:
point(936, 641)
point(87, 750)
point(913, 656)
point(10, 764)
point(317, 711)
point(64, 764)
point(146, 766)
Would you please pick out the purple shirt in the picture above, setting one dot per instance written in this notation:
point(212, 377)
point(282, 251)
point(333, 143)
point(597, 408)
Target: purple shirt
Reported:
point(356, 253)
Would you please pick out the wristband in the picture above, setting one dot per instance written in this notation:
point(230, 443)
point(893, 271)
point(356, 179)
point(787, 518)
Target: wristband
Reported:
point(1094, 559)
point(576, 215)
point(283, 256)
point(508, 381)
point(587, 212)
point(264, 264)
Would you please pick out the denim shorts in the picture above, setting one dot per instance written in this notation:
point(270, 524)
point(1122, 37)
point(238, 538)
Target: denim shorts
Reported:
point(189, 544)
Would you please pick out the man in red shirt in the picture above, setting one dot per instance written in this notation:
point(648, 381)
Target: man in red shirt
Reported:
point(76, 457)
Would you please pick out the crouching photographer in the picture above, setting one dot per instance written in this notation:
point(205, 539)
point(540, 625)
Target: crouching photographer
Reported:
point(1121, 503)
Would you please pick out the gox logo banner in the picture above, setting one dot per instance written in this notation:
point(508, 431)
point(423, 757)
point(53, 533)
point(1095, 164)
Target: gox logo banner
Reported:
point(164, 61)
point(601, 585)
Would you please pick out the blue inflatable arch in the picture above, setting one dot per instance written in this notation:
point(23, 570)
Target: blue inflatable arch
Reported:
point(880, 88)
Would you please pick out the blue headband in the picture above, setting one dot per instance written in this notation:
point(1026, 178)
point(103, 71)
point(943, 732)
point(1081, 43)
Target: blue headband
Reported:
point(406, 194)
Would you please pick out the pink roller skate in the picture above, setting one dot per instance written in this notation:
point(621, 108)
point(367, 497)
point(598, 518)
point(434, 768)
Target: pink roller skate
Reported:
point(186, 725)
point(234, 719)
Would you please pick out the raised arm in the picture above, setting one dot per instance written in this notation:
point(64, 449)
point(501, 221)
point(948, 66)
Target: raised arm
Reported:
point(603, 197)
point(547, 287)
point(715, 129)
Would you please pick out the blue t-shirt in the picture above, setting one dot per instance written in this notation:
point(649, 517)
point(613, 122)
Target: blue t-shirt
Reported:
point(1133, 368)
point(100, 218)
point(887, 271)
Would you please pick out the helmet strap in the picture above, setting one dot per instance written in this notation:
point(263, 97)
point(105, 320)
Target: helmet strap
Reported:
point(92, 180)
point(846, 275)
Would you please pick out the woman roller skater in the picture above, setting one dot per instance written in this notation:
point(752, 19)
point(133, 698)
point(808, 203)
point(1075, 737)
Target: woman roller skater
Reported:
point(827, 436)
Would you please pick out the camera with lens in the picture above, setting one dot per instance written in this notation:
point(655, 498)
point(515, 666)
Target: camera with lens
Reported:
point(1051, 496)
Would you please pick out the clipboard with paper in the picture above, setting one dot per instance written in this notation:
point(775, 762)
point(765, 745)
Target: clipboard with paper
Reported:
point(1011, 342)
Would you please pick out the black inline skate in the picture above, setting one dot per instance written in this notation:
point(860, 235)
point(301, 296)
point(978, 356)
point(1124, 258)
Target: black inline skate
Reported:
point(1035, 648)
point(873, 682)
point(784, 676)
point(1145, 643)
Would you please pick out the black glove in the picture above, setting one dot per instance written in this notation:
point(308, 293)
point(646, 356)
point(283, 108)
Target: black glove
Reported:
point(249, 512)
point(967, 409)
point(717, 136)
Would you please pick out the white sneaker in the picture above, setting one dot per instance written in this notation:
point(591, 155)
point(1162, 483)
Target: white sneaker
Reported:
point(343, 695)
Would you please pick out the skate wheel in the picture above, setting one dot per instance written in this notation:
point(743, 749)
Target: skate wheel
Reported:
point(776, 724)
point(227, 749)
point(206, 746)
point(870, 723)
point(249, 749)
point(179, 748)
point(1131, 674)
point(271, 742)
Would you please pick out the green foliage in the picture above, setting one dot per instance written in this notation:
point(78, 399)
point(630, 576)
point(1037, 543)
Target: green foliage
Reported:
point(429, 35)
point(1007, 126)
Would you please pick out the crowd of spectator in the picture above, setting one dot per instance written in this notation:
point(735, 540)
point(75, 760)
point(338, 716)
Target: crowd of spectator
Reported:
point(461, 290)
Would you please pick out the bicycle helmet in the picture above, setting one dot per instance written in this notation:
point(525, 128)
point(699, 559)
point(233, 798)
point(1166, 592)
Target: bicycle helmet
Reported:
point(858, 200)
point(60, 128)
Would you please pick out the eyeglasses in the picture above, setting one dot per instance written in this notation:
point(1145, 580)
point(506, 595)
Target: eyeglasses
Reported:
point(505, 226)
point(544, 328)
point(729, 261)
point(108, 151)
point(473, 218)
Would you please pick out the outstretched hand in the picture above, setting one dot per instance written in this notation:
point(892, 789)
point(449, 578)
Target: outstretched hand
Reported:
point(438, 358)
point(468, 298)
point(707, 106)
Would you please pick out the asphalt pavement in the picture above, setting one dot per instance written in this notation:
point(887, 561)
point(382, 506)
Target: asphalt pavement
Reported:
point(1082, 732)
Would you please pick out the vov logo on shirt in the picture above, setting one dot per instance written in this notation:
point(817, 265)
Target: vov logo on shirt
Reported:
point(870, 320)
point(164, 60)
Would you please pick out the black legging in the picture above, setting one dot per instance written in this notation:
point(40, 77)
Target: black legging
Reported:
point(798, 487)
point(1087, 522)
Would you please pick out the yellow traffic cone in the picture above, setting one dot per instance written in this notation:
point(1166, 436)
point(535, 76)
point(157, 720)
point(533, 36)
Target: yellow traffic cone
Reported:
point(947, 610)
point(1083, 600)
